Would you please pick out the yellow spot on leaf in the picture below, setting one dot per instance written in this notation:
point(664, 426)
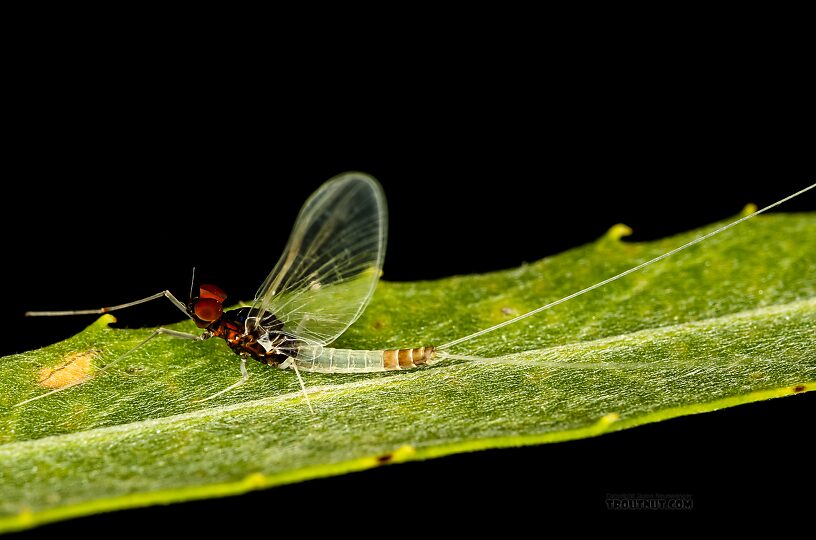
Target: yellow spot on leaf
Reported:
point(74, 368)
point(618, 231)
point(404, 452)
point(26, 516)
point(608, 419)
point(748, 209)
point(255, 480)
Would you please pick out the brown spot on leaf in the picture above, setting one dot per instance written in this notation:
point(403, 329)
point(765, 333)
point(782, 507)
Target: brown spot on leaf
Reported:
point(799, 388)
point(378, 324)
point(74, 368)
point(508, 311)
point(402, 453)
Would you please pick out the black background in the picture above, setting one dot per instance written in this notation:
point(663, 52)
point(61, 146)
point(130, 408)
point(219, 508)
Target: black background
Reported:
point(127, 168)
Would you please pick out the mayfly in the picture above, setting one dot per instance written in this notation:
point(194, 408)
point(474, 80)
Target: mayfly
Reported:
point(320, 286)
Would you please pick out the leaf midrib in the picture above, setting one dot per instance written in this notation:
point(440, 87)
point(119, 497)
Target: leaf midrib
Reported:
point(104, 433)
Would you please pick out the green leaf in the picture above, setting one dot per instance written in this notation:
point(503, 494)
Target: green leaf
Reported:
point(727, 322)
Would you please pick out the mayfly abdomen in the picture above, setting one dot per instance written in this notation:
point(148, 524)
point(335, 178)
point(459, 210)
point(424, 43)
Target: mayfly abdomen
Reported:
point(328, 360)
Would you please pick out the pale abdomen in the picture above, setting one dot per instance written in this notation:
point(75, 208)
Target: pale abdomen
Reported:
point(328, 360)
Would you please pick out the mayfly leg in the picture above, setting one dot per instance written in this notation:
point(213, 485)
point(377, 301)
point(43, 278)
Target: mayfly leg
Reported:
point(244, 378)
point(99, 311)
point(156, 332)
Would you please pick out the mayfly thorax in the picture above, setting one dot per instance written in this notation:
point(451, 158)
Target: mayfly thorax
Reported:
point(322, 283)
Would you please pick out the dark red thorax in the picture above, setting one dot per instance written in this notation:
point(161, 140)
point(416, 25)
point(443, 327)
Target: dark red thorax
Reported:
point(207, 311)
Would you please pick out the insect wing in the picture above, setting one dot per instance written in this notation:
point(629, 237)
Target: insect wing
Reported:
point(331, 265)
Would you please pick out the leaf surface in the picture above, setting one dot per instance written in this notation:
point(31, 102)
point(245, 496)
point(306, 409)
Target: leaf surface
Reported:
point(727, 322)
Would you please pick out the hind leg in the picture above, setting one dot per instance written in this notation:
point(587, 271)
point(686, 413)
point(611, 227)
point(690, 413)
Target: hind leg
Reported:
point(244, 378)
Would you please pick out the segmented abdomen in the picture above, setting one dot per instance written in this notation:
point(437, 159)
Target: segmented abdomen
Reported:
point(327, 360)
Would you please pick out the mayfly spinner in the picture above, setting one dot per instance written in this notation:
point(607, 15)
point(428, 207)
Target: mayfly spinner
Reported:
point(320, 286)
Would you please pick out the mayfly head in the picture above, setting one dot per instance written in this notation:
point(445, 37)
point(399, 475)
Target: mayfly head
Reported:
point(208, 306)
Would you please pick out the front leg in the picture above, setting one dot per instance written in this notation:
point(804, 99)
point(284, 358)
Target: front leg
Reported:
point(164, 294)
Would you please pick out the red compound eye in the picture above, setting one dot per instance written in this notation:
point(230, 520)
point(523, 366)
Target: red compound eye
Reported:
point(208, 309)
point(207, 290)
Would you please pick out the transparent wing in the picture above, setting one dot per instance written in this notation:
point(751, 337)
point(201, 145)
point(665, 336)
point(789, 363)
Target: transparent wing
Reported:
point(332, 263)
